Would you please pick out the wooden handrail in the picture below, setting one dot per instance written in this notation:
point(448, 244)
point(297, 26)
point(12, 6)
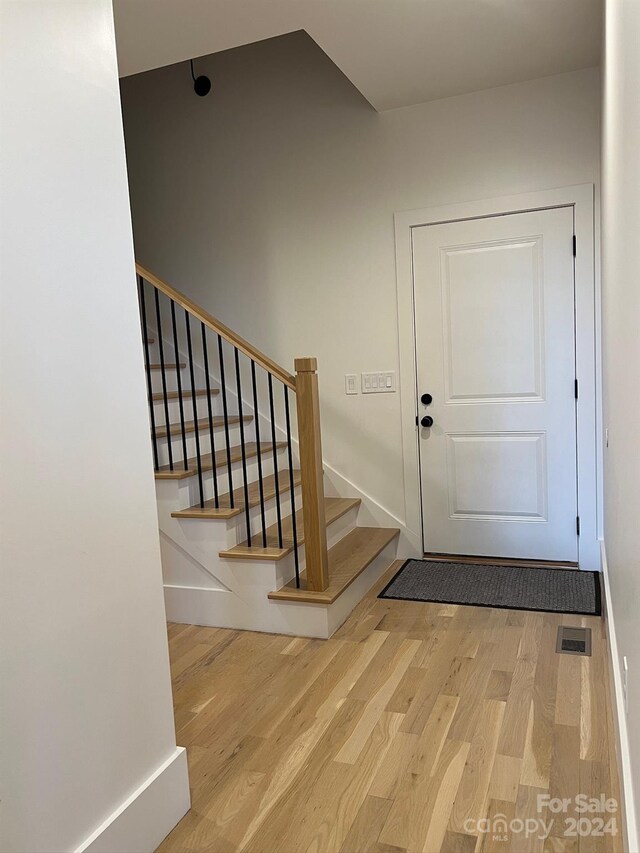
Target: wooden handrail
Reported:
point(305, 386)
point(219, 328)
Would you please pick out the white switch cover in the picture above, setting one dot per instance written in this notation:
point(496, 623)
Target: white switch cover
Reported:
point(379, 383)
point(351, 383)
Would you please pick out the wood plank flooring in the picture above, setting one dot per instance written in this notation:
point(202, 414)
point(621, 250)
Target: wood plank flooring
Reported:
point(401, 733)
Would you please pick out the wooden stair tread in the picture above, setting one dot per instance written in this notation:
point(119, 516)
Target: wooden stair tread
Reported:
point(203, 423)
point(186, 395)
point(225, 510)
point(179, 472)
point(334, 508)
point(347, 559)
point(168, 366)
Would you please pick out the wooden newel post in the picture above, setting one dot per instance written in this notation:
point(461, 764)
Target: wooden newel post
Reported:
point(315, 525)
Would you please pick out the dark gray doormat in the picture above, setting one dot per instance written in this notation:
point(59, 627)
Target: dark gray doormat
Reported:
point(504, 587)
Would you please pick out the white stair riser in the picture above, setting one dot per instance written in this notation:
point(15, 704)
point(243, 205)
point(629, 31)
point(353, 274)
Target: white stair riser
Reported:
point(171, 375)
point(237, 526)
point(185, 378)
point(219, 438)
point(285, 568)
point(171, 380)
point(188, 493)
point(171, 357)
point(187, 407)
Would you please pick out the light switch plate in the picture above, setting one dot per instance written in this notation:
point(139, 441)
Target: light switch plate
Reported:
point(351, 383)
point(378, 383)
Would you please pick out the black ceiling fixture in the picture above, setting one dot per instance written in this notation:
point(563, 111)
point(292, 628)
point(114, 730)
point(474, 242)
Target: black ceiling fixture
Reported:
point(202, 84)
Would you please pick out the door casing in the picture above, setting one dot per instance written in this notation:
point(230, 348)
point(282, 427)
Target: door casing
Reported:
point(587, 315)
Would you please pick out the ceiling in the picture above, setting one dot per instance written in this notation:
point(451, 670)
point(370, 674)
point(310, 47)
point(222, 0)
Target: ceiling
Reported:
point(396, 52)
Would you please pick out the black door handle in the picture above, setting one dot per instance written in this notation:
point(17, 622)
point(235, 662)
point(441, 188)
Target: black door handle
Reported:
point(426, 421)
point(426, 399)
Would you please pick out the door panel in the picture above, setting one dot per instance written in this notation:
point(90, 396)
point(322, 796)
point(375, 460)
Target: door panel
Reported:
point(499, 359)
point(509, 457)
point(494, 301)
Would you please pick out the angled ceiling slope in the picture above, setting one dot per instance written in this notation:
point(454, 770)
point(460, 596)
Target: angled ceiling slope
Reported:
point(396, 52)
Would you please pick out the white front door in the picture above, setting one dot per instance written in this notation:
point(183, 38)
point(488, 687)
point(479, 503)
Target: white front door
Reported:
point(494, 301)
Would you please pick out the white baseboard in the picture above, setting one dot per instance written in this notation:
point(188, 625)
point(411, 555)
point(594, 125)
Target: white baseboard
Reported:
point(141, 822)
point(622, 739)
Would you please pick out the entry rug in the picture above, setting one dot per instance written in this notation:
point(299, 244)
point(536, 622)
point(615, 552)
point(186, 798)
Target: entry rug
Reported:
point(501, 586)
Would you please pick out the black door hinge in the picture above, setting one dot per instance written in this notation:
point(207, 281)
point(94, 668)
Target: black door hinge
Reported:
point(575, 388)
point(574, 245)
point(578, 525)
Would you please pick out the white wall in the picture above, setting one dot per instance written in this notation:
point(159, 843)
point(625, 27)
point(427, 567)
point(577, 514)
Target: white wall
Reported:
point(271, 203)
point(86, 704)
point(621, 352)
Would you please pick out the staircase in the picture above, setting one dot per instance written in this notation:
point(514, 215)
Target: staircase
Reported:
point(252, 536)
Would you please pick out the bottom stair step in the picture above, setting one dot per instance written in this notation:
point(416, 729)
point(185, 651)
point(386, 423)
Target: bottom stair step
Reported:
point(347, 559)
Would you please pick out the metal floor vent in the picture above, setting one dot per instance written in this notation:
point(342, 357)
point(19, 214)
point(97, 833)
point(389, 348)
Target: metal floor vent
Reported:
point(573, 641)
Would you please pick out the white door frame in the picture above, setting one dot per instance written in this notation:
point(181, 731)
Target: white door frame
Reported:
point(581, 198)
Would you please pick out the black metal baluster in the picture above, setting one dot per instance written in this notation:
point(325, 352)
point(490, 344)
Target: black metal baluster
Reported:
point(274, 448)
point(242, 448)
point(195, 406)
point(292, 486)
point(164, 379)
point(216, 499)
point(226, 419)
point(145, 340)
point(256, 415)
point(179, 377)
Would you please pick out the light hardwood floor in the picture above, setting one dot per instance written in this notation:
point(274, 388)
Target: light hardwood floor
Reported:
point(398, 734)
